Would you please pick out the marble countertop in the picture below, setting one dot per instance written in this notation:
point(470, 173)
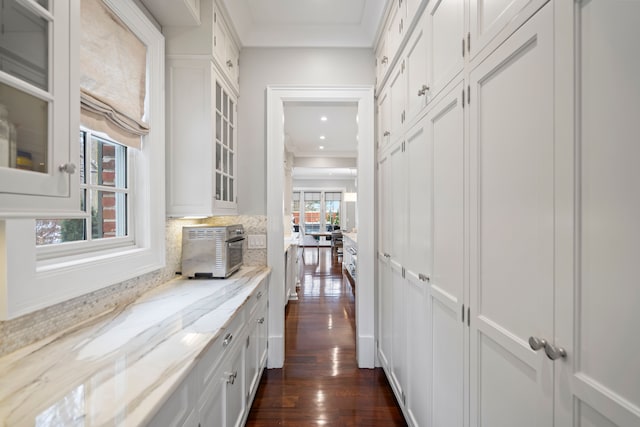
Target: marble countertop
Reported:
point(119, 368)
point(352, 236)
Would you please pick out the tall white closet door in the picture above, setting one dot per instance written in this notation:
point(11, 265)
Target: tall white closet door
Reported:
point(419, 183)
point(512, 229)
point(600, 381)
point(445, 127)
point(385, 344)
point(397, 91)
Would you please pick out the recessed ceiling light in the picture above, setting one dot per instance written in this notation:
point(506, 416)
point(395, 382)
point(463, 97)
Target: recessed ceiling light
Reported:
point(321, 147)
point(323, 118)
point(322, 136)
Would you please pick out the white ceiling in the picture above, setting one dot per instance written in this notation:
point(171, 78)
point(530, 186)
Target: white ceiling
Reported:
point(303, 128)
point(306, 23)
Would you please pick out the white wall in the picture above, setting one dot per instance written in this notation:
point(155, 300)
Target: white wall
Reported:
point(260, 67)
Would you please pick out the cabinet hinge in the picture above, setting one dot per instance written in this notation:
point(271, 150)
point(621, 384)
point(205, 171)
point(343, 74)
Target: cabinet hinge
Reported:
point(403, 270)
point(463, 47)
point(469, 42)
point(404, 399)
point(462, 97)
point(215, 17)
point(403, 65)
point(215, 41)
point(468, 94)
point(462, 313)
point(468, 316)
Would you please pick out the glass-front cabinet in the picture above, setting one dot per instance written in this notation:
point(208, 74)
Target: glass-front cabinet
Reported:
point(225, 182)
point(39, 105)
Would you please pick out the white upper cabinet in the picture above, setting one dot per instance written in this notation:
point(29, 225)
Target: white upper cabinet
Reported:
point(495, 20)
point(39, 107)
point(201, 140)
point(445, 35)
point(214, 38)
point(415, 59)
point(397, 95)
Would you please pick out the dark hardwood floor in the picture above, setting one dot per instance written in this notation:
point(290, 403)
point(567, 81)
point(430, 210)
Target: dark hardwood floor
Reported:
point(320, 383)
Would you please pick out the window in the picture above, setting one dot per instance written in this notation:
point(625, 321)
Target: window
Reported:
point(104, 199)
point(332, 209)
point(321, 209)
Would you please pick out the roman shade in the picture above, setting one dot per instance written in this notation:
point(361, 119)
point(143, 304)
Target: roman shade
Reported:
point(112, 75)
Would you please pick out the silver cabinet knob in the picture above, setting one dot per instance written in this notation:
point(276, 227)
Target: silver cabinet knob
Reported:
point(69, 168)
point(229, 63)
point(261, 320)
point(386, 133)
point(423, 90)
point(537, 343)
point(424, 277)
point(227, 339)
point(554, 352)
point(231, 377)
point(385, 59)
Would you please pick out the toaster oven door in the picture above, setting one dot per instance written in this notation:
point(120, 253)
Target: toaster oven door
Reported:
point(234, 255)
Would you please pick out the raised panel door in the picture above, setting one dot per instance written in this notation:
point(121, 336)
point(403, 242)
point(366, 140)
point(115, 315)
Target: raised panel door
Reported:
point(384, 119)
point(497, 19)
point(418, 358)
point(397, 203)
point(397, 97)
point(598, 382)
point(445, 126)
point(416, 71)
point(234, 402)
point(398, 329)
point(445, 31)
point(418, 169)
point(512, 229)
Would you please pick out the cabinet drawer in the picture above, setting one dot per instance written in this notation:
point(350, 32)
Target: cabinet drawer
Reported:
point(228, 338)
point(258, 296)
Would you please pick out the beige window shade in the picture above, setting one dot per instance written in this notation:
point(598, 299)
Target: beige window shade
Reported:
point(113, 64)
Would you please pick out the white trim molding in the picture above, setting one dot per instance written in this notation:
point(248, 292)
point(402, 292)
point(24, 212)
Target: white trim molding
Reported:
point(365, 295)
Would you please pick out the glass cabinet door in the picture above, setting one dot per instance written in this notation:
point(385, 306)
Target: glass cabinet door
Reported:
point(225, 151)
point(24, 94)
point(35, 103)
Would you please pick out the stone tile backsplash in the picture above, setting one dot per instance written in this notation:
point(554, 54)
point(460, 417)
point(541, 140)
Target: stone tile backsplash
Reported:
point(20, 332)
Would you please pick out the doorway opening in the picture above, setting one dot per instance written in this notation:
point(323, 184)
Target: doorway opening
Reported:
point(277, 219)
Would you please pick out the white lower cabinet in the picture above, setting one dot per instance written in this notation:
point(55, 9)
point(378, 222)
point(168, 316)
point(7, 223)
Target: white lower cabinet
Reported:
point(219, 390)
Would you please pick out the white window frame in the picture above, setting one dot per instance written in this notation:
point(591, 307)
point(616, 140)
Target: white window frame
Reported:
point(322, 191)
point(68, 250)
point(28, 284)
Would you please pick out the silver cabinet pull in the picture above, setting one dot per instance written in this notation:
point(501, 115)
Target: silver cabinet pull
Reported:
point(229, 63)
point(69, 168)
point(259, 295)
point(227, 339)
point(231, 377)
point(386, 133)
point(386, 255)
point(554, 352)
point(385, 59)
point(422, 91)
point(537, 343)
point(424, 277)
point(261, 320)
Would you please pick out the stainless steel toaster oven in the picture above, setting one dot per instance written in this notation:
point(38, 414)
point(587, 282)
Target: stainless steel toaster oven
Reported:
point(212, 252)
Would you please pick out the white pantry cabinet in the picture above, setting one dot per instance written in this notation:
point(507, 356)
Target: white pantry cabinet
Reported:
point(531, 275)
point(512, 231)
point(201, 140)
point(39, 87)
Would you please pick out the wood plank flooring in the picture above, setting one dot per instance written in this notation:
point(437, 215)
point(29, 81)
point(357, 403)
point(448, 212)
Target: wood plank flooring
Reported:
point(320, 383)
